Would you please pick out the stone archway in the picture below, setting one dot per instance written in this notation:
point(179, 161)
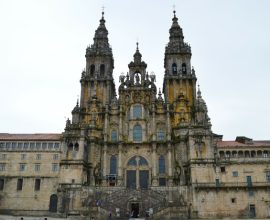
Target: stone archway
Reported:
point(137, 173)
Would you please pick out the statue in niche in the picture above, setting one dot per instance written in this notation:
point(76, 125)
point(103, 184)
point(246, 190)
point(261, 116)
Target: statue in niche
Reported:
point(97, 174)
point(137, 77)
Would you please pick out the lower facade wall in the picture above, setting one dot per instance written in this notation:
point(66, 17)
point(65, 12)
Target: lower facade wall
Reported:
point(28, 198)
point(232, 203)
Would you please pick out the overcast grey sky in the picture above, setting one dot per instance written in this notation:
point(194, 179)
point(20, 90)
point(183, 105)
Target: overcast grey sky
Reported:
point(42, 48)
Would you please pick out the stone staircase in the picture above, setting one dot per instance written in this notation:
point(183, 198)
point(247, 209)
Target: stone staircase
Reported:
point(118, 200)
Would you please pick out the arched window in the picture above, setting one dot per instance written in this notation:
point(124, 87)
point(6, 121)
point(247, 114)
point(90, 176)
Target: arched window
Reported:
point(113, 164)
point(174, 68)
point(92, 70)
point(137, 111)
point(137, 133)
point(70, 147)
point(184, 68)
point(240, 154)
point(76, 147)
point(132, 161)
point(143, 161)
point(114, 135)
point(102, 70)
point(161, 164)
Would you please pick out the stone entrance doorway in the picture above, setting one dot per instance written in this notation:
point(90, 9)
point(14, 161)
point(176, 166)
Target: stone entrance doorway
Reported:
point(137, 176)
point(53, 203)
point(135, 210)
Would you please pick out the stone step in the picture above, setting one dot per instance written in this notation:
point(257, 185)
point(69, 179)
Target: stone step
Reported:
point(136, 218)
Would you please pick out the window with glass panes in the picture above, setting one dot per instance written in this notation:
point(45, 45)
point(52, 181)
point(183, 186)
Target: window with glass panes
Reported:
point(161, 165)
point(268, 176)
point(114, 135)
point(113, 164)
point(137, 111)
point(37, 167)
point(137, 133)
point(2, 166)
point(54, 167)
point(160, 135)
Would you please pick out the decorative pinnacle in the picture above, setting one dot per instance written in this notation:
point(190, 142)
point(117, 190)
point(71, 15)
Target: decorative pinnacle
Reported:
point(137, 43)
point(199, 94)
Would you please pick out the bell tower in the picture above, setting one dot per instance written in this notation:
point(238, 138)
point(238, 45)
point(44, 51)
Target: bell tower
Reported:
point(179, 85)
point(97, 79)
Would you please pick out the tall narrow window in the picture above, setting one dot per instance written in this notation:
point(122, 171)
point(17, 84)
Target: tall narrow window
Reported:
point(2, 166)
point(184, 68)
point(92, 70)
point(2, 182)
point(113, 164)
point(102, 70)
point(249, 181)
point(37, 184)
point(217, 183)
point(137, 111)
point(114, 135)
point(161, 164)
point(268, 176)
point(19, 184)
point(137, 133)
point(76, 147)
point(174, 68)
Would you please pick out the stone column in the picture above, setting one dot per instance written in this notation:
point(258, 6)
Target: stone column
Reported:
point(106, 122)
point(169, 156)
point(137, 173)
point(120, 135)
point(154, 163)
point(120, 175)
point(168, 122)
point(93, 162)
point(105, 165)
point(154, 132)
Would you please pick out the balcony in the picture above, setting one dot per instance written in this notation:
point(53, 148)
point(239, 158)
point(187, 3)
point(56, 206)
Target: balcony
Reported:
point(236, 185)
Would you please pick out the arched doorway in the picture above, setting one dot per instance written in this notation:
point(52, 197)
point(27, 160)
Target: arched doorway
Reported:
point(137, 173)
point(53, 203)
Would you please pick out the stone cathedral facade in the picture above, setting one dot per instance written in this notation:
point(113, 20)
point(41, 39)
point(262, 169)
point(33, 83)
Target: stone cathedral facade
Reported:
point(144, 153)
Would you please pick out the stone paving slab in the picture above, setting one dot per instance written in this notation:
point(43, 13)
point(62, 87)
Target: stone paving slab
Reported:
point(8, 217)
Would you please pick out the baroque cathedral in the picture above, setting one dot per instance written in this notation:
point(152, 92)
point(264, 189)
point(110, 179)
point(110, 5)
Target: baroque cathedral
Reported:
point(144, 153)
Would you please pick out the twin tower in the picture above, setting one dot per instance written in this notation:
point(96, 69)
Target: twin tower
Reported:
point(139, 139)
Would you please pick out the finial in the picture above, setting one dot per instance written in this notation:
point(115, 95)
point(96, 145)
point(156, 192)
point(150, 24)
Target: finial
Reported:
point(77, 104)
point(137, 43)
point(103, 11)
point(174, 10)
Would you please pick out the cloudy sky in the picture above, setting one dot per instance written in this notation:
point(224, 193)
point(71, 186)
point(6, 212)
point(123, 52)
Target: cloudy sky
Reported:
point(42, 48)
